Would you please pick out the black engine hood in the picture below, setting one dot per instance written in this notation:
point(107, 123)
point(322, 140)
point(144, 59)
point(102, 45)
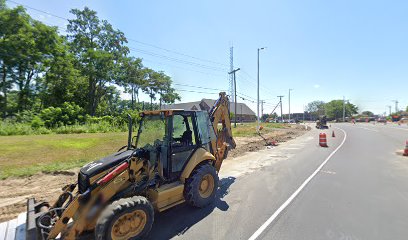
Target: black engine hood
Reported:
point(95, 167)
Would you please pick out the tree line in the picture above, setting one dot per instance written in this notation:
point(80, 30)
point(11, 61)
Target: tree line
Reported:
point(41, 69)
point(332, 109)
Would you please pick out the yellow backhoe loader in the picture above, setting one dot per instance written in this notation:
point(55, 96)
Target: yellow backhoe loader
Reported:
point(174, 158)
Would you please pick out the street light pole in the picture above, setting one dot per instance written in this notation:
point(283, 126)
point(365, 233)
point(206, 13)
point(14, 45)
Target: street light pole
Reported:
point(235, 95)
point(290, 89)
point(257, 106)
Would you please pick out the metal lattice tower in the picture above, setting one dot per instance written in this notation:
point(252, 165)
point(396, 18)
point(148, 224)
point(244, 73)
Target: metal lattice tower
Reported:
point(231, 78)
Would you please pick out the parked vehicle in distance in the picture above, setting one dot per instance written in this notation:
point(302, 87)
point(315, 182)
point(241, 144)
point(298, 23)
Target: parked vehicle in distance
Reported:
point(381, 120)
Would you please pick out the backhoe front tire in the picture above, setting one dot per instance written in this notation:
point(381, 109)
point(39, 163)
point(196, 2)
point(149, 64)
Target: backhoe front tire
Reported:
point(126, 218)
point(201, 187)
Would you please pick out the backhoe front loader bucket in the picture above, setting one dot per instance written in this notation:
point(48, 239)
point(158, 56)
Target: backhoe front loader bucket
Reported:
point(34, 211)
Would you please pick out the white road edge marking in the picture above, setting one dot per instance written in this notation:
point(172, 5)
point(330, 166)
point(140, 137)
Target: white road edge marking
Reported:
point(293, 196)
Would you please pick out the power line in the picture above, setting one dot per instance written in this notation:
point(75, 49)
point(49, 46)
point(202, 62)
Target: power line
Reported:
point(240, 95)
point(38, 10)
point(186, 85)
point(245, 99)
point(175, 52)
point(188, 69)
point(246, 96)
point(177, 60)
point(266, 89)
point(143, 43)
point(184, 90)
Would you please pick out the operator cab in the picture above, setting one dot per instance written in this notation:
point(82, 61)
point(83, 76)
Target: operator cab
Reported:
point(171, 137)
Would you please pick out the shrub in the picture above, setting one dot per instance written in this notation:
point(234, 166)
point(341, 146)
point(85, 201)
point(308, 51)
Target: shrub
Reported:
point(8, 128)
point(25, 116)
point(36, 123)
point(67, 114)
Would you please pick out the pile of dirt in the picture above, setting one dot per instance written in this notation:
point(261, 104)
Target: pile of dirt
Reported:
point(47, 186)
point(44, 186)
point(252, 144)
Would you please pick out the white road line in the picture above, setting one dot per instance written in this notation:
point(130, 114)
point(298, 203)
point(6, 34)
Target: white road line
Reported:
point(293, 196)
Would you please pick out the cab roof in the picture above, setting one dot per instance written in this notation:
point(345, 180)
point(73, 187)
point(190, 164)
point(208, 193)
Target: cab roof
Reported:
point(166, 112)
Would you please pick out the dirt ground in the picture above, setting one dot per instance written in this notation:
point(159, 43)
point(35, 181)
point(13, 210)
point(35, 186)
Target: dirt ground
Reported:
point(47, 186)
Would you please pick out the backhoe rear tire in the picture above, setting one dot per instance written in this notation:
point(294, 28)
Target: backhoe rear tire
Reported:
point(201, 187)
point(126, 218)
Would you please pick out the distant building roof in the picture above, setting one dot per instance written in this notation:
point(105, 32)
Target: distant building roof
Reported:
point(206, 104)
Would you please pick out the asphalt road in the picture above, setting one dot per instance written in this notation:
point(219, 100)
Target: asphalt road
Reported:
point(357, 188)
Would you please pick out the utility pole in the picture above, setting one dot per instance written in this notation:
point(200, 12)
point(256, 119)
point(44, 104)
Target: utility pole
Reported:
point(280, 101)
point(389, 109)
point(290, 89)
point(257, 106)
point(235, 95)
point(396, 105)
point(231, 79)
point(262, 102)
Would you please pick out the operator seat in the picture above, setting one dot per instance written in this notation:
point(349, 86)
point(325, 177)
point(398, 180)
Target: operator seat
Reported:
point(187, 138)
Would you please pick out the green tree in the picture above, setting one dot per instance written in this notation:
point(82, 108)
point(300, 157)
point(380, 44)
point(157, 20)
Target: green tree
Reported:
point(98, 48)
point(334, 109)
point(152, 85)
point(166, 91)
point(109, 103)
point(26, 46)
point(133, 78)
point(159, 83)
point(316, 108)
point(367, 113)
point(264, 117)
point(62, 81)
point(3, 5)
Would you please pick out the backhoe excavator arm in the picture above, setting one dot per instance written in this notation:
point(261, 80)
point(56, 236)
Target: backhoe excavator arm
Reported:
point(220, 113)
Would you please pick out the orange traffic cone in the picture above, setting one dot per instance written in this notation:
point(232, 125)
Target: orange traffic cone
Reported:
point(322, 140)
point(333, 134)
point(406, 149)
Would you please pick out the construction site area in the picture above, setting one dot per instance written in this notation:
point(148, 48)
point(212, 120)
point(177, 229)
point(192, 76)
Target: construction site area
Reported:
point(129, 120)
point(47, 184)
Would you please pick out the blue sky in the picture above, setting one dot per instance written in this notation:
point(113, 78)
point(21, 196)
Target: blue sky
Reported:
point(324, 50)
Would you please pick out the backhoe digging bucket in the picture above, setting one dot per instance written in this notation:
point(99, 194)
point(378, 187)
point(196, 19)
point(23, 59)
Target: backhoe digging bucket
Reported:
point(34, 211)
point(225, 143)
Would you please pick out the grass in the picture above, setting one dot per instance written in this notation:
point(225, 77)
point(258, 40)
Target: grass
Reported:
point(26, 155)
point(11, 129)
point(249, 129)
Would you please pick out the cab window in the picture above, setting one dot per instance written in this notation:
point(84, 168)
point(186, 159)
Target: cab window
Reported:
point(183, 132)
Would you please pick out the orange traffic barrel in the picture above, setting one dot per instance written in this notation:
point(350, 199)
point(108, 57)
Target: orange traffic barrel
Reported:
point(322, 140)
point(406, 149)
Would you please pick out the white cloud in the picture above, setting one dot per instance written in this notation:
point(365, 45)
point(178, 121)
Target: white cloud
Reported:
point(316, 86)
